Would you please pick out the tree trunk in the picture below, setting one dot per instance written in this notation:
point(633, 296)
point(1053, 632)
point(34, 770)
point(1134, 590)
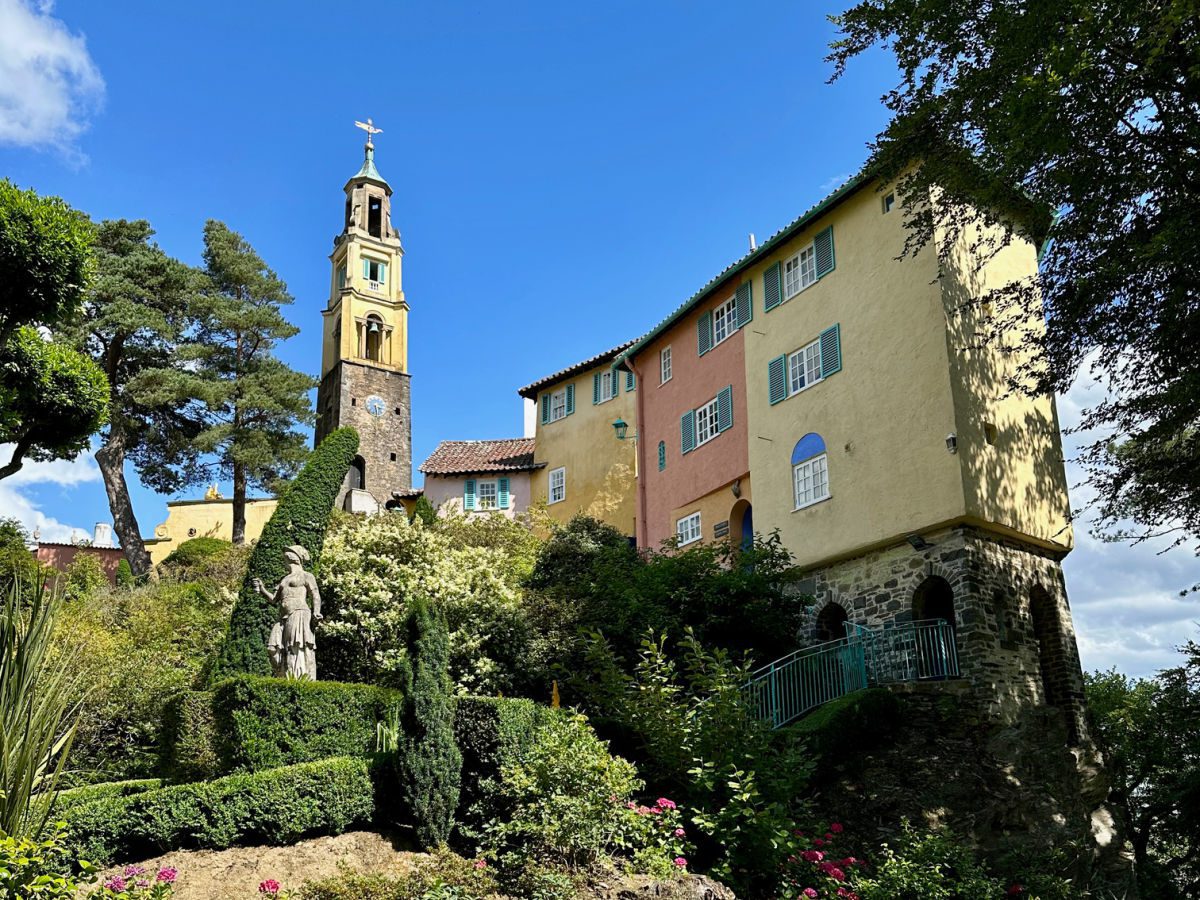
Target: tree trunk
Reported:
point(111, 460)
point(239, 504)
point(22, 447)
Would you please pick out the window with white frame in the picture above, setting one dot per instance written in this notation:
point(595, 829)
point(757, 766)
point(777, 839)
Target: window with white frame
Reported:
point(664, 365)
point(608, 386)
point(810, 479)
point(558, 405)
point(799, 272)
point(706, 422)
point(486, 495)
point(558, 485)
point(804, 367)
point(724, 320)
point(688, 529)
point(374, 270)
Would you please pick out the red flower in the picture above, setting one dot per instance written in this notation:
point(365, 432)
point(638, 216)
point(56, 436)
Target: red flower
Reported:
point(836, 828)
point(270, 886)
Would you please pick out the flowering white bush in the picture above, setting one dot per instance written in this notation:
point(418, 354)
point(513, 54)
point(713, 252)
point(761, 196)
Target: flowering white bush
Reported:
point(372, 565)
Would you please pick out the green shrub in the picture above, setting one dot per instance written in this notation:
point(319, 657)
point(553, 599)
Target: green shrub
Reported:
point(125, 577)
point(262, 723)
point(187, 749)
point(277, 806)
point(928, 866)
point(90, 792)
point(440, 876)
point(428, 764)
point(849, 726)
point(250, 723)
point(424, 511)
point(84, 577)
point(301, 517)
point(41, 869)
point(491, 732)
point(196, 550)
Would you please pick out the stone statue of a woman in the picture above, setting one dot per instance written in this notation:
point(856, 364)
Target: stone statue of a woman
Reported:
point(292, 645)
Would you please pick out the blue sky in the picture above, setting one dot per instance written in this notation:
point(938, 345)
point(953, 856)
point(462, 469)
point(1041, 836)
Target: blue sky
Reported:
point(564, 175)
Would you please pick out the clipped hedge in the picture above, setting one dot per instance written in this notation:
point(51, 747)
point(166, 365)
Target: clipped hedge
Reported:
point(491, 732)
point(250, 723)
point(278, 806)
point(300, 518)
point(89, 792)
point(196, 550)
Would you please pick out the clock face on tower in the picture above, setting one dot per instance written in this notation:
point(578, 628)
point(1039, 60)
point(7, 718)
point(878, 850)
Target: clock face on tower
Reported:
point(375, 406)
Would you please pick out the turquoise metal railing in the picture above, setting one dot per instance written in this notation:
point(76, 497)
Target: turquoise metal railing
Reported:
point(786, 689)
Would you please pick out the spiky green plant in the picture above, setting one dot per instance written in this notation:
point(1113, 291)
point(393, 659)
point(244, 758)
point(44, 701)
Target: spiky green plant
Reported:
point(37, 714)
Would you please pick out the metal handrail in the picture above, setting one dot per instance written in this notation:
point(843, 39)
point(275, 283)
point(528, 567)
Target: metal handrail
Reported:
point(784, 690)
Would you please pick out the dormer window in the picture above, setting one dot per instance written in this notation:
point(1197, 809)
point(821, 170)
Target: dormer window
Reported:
point(375, 216)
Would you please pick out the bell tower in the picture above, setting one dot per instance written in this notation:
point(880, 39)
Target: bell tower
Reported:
point(364, 355)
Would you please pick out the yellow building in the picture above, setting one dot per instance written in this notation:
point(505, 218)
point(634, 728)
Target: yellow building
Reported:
point(587, 458)
point(211, 517)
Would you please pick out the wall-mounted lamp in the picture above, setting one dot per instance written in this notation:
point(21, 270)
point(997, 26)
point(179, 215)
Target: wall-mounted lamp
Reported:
point(621, 427)
point(736, 487)
point(952, 442)
point(918, 542)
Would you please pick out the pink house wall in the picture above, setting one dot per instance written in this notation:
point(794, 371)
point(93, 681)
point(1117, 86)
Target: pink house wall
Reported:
point(443, 489)
point(59, 556)
point(694, 381)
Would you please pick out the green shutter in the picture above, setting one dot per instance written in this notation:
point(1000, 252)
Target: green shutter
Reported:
point(469, 494)
point(823, 247)
point(662, 455)
point(743, 303)
point(383, 272)
point(773, 286)
point(595, 388)
point(366, 268)
point(725, 409)
point(777, 379)
point(630, 381)
point(704, 333)
point(570, 399)
point(546, 408)
point(687, 431)
point(831, 351)
point(502, 493)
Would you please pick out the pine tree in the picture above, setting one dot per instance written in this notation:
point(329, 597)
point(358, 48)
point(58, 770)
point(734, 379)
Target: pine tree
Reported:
point(424, 511)
point(251, 400)
point(428, 763)
point(138, 310)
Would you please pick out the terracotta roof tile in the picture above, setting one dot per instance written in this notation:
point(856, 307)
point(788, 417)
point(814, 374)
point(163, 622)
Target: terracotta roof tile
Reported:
point(531, 390)
point(464, 457)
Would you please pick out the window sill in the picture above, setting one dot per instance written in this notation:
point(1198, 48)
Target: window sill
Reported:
point(694, 540)
point(552, 502)
point(664, 381)
point(796, 393)
point(812, 503)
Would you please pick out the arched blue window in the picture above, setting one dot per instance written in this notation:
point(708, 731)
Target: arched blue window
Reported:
point(810, 471)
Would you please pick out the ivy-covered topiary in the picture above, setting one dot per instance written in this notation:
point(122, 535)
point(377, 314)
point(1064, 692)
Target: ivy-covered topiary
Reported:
point(196, 550)
point(125, 577)
point(300, 518)
point(428, 763)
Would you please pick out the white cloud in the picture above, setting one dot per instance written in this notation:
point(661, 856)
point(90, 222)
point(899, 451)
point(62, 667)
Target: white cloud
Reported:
point(1125, 599)
point(49, 85)
point(16, 504)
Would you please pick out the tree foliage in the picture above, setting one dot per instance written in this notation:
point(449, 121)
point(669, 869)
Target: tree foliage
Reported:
point(1088, 114)
point(301, 517)
point(251, 400)
point(428, 763)
point(1148, 730)
point(138, 311)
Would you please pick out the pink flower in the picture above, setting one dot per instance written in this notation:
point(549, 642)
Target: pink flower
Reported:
point(829, 835)
point(835, 873)
point(131, 871)
point(818, 843)
point(836, 828)
point(115, 883)
point(143, 883)
point(270, 886)
point(481, 863)
point(810, 892)
point(812, 856)
point(679, 832)
point(665, 803)
point(681, 862)
point(167, 875)
point(1015, 889)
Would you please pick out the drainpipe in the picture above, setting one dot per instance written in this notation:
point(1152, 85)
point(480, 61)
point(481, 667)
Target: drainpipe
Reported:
point(638, 450)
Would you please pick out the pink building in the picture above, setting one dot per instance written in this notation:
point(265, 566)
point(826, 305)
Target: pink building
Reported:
point(693, 462)
point(481, 476)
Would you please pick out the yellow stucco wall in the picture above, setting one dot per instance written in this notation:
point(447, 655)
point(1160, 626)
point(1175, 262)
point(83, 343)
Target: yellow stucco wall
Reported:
point(1018, 483)
point(187, 519)
point(904, 386)
point(719, 506)
point(600, 469)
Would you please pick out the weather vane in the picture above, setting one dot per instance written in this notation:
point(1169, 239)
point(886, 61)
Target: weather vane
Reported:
point(369, 127)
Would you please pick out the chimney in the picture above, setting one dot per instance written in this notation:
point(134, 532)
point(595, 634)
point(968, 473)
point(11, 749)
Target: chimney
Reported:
point(102, 536)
